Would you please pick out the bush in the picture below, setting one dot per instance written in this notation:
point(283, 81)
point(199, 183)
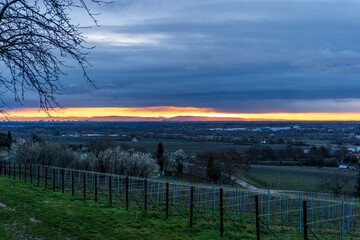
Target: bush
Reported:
point(130, 163)
point(112, 160)
point(34, 152)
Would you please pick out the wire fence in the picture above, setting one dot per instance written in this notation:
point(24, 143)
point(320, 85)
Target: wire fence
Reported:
point(274, 215)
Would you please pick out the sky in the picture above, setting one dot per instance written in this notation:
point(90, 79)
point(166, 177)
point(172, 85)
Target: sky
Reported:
point(224, 56)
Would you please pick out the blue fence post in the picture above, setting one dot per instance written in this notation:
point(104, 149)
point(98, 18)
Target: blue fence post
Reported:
point(300, 223)
point(280, 207)
point(342, 219)
point(269, 199)
point(237, 203)
point(118, 184)
point(287, 208)
point(206, 197)
point(158, 193)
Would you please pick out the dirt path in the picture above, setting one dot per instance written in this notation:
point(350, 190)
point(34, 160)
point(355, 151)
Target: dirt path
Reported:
point(253, 188)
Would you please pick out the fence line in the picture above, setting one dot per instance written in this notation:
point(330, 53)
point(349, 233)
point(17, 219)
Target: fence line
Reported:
point(280, 214)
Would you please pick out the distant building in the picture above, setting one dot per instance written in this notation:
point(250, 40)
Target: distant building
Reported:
point(343, 166)
point(353, 149)
point(134, 139)
point(335, 148)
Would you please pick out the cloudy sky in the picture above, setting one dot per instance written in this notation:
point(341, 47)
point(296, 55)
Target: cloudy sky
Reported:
point(229, 55)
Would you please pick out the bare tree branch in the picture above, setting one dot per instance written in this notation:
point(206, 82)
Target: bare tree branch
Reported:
point(36, 39)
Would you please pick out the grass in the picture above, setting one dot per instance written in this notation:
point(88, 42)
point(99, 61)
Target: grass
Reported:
point(37, 213)
point(292, 177)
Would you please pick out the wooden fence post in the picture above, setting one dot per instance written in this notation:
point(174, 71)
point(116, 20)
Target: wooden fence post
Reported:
point(46, 177)
point(96, 183)
point(19, 171)
point(84, 185)
point(145, 195)
point(167, 200)
point(54, 179)
point(257, 217)
point(127, 192)
point(31, 173)
point(110, 190)
point(72, 183)
point(221, 213)
point(62, 181)
point(38, 175)
point(191, 206)
point(25, 173)
point(305, 221)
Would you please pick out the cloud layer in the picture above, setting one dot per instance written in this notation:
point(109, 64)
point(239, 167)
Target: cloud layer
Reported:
point(238, 56)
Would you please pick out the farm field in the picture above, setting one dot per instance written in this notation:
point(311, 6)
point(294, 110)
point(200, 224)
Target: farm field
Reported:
point(150, 144)
point(191, 147)
point(28, 212)
point(294, 177)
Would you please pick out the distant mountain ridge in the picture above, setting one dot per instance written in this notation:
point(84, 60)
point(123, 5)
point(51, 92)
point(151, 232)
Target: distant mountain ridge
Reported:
point(126, 119)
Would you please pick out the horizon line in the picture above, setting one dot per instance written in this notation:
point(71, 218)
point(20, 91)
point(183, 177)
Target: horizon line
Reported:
point(169, 113)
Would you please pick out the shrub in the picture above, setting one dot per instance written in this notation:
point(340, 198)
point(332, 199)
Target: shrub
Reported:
point(34, 152)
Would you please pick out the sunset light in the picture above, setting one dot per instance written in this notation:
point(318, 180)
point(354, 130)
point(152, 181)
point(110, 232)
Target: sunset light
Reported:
point(172, 113)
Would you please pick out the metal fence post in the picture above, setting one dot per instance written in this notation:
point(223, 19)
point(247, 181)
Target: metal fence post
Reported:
point(167, 200)
point(305, 221)
point(257, 217)
point(9, 170)
point(342, 219)
point(191, 206)
point(14, 175)
point(221, 213)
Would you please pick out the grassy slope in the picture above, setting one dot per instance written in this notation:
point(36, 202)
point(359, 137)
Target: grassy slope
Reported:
point(61, 216)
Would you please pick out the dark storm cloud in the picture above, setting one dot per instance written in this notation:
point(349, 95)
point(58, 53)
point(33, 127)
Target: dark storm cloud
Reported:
point(231, 55)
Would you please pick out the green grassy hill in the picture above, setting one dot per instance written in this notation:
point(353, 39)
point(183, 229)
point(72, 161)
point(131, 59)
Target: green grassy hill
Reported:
point(29, 212)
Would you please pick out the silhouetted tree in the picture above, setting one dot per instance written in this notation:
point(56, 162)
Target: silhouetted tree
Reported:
point(335, 182)
point(160, 156)
point(98, 145)
point(9, 137)
point(232, 161)
point(213, 172)
point(36, 139)
point(4, 141)
point(36, 37)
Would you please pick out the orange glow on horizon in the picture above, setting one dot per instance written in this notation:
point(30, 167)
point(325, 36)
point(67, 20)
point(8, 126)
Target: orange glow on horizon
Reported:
point(170, 112)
